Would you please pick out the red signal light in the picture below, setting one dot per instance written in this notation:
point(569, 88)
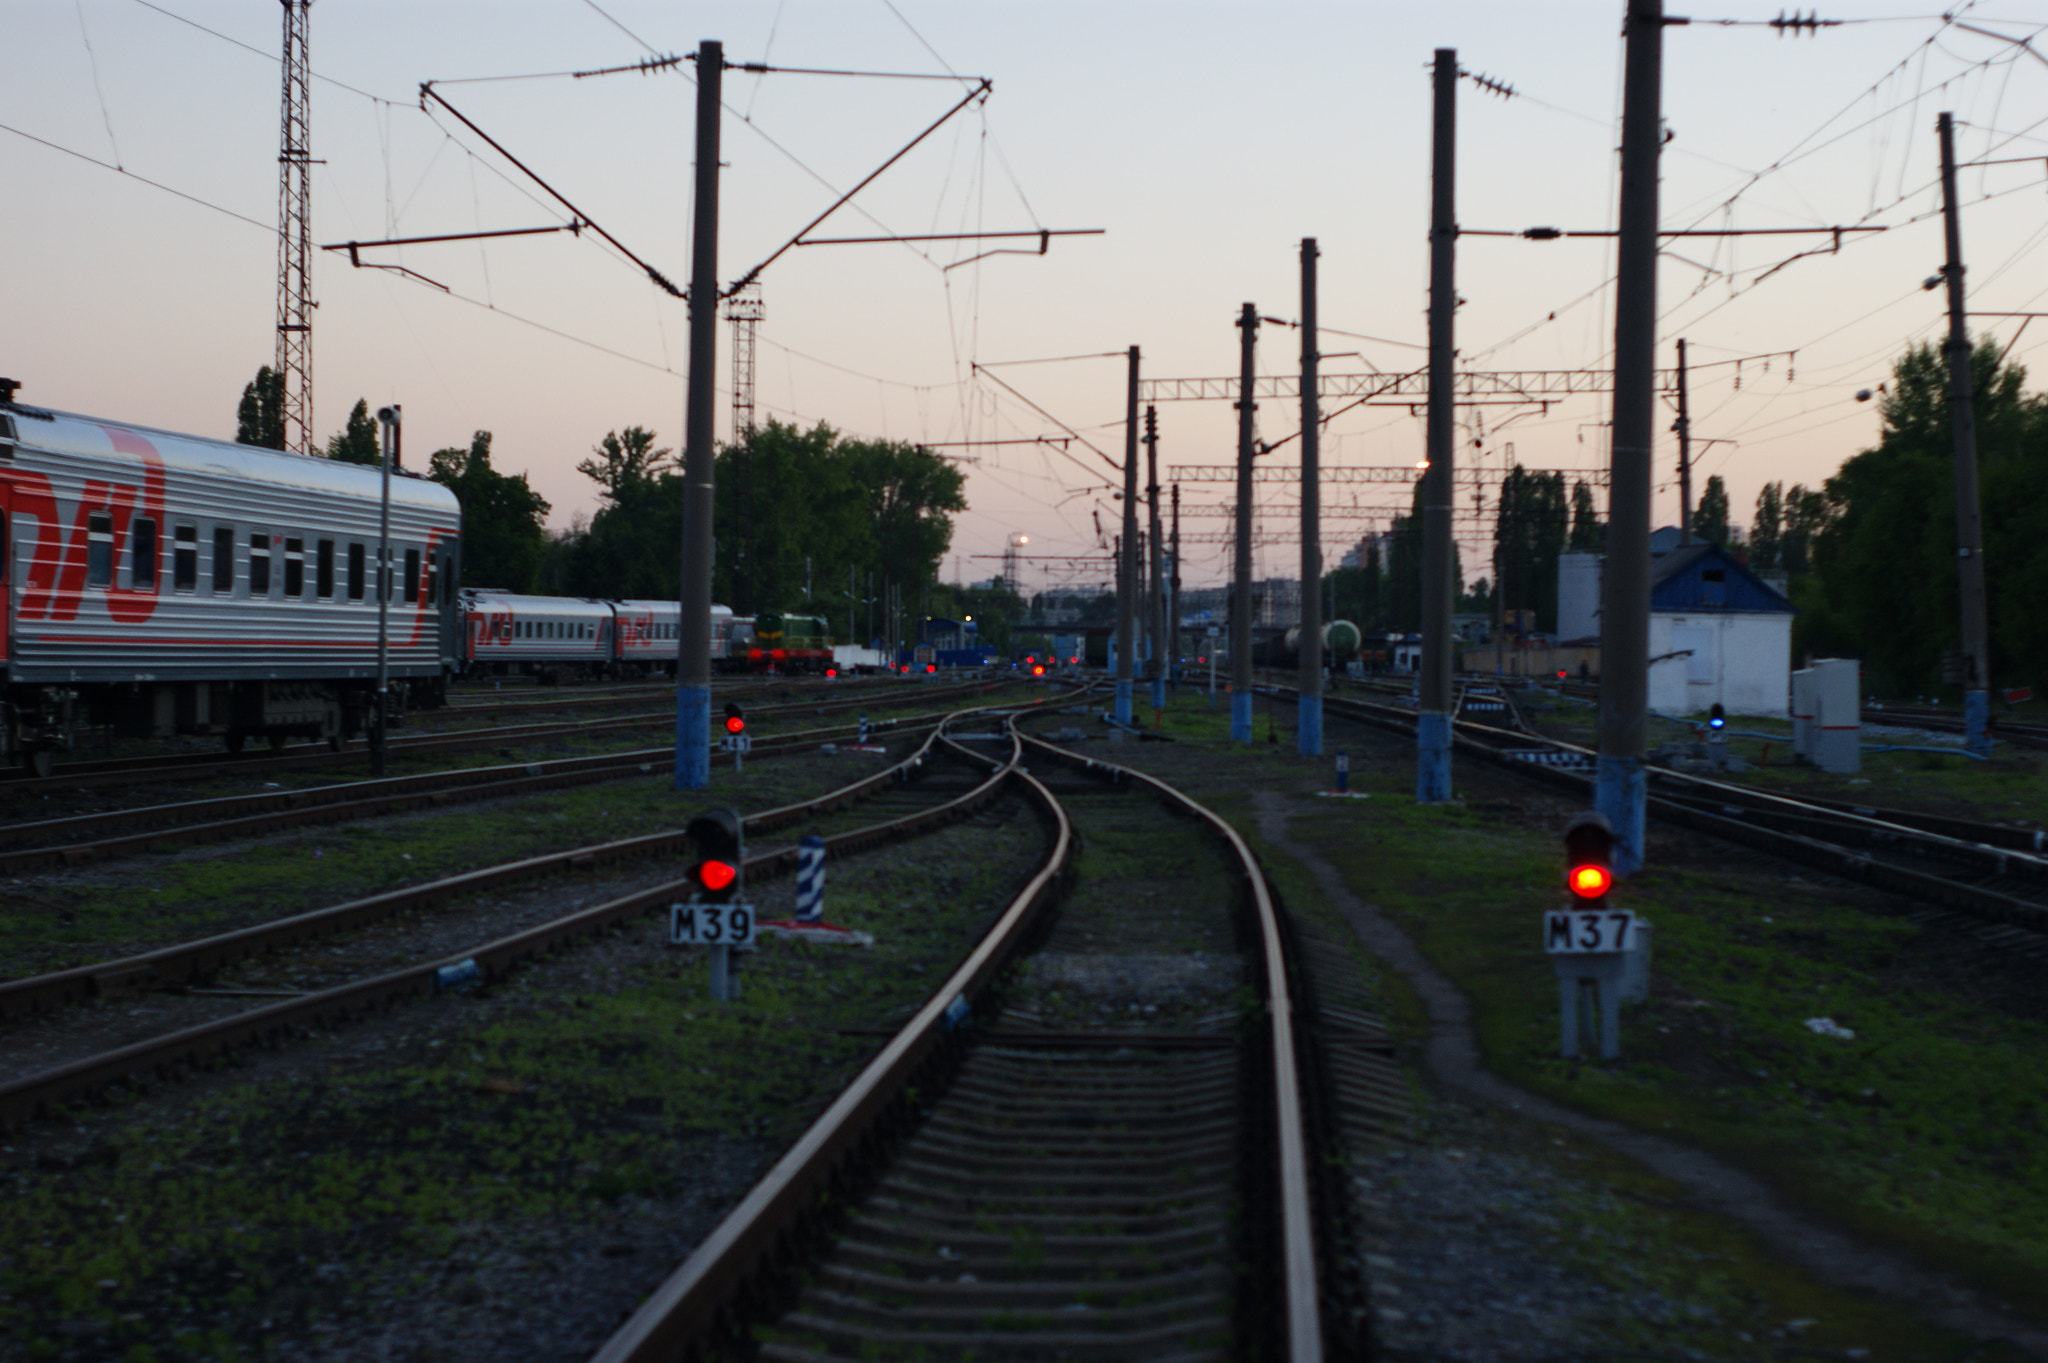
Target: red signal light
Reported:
point(931, 667)
point(1039, 670)
point(716, 875)
point(831, 672)
point(735, 725)
point(1590, 880)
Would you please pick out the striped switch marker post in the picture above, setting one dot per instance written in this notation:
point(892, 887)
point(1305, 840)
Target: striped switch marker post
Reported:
point(810, 879)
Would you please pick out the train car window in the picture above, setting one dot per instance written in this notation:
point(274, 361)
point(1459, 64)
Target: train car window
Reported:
point(259, 564)
point(294, 569)
point(223, 559)
point(3, 546)
point(185, 558)
point(99, 549)
point(142, 552)
point(355, 572)
point(412, 576)
point(447, 581)
point(323, 569)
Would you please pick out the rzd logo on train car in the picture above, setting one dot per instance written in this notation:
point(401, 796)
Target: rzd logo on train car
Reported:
point(104, 525)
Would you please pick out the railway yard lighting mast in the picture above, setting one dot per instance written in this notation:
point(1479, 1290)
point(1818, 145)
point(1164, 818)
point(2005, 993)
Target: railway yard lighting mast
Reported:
point(295, 235)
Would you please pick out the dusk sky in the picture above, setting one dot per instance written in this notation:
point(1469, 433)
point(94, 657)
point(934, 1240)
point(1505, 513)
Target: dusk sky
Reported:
point(1207, 139)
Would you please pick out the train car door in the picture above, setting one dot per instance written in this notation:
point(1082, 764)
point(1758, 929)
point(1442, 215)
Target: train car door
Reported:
point(445, 581)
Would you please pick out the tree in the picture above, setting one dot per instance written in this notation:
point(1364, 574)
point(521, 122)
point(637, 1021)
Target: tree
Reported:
point(1710, 517)
point(1806, 515)
point(1884, 552)
point(912, 495)
point(358, 442)
point(1403, 585)
point(1528, 536)
point(1767, 531)
point(504, 521)
point(1357, 592)
point(260, 418)
point(1588, 535)
point(626, 462)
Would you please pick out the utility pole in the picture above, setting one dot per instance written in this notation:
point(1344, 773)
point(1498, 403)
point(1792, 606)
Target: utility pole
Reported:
point(1173, 583)
point(1619, 791)
point(295, 235)
point(1433, 713)
point(1241, 575)
point(388, 418)
point(744, 311)
point(1684, 428)
point(1963, 430)
point(1309, 729)
point(693, 654)
point(1127, 558)
point(1155, 598)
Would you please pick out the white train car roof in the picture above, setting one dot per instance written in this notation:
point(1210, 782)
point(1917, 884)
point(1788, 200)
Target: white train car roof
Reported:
point(85, 437)
point(537, 607)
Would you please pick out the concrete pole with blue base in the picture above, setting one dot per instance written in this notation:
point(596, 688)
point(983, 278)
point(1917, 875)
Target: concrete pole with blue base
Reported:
point(1439, 589)
point(1625, 577)
point(1127, 554)
point(1163, 635)
point(1972, 618)
point(1308, 731)
point(693, 651)
point(1241, 569)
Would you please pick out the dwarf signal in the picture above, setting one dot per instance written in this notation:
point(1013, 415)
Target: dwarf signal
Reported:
point(717, 872)
point(1589, 859)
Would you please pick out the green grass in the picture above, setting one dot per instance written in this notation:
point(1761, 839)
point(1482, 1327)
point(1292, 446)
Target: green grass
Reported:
point(1922, 1132)
point(216, 1213)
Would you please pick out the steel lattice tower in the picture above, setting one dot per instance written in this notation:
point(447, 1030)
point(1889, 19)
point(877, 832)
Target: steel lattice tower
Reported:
point(744, 312)
point(295, 236)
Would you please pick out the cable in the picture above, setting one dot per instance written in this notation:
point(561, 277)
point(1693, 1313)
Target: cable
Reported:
point(144, 179)
point(271, 57)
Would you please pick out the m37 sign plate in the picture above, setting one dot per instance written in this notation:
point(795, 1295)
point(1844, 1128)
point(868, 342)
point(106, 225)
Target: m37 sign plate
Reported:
point(1585, 931)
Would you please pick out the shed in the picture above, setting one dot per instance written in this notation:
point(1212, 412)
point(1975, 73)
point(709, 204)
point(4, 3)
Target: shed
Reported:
point(1718, 633)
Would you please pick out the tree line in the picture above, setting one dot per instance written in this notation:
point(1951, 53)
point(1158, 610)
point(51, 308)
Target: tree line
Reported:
point(809, 522)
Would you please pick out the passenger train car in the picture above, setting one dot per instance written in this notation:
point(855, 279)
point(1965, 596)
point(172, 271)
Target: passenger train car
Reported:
point(504, 632)
point(169, 584)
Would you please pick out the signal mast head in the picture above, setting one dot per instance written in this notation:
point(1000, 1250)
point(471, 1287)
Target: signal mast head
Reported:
point(1589, 858)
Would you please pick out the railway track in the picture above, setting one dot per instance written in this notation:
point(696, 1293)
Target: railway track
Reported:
point(27, 1096)
point(83, 838)
point(1991, 879)
point(1038, 1165)
point(310, 756)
